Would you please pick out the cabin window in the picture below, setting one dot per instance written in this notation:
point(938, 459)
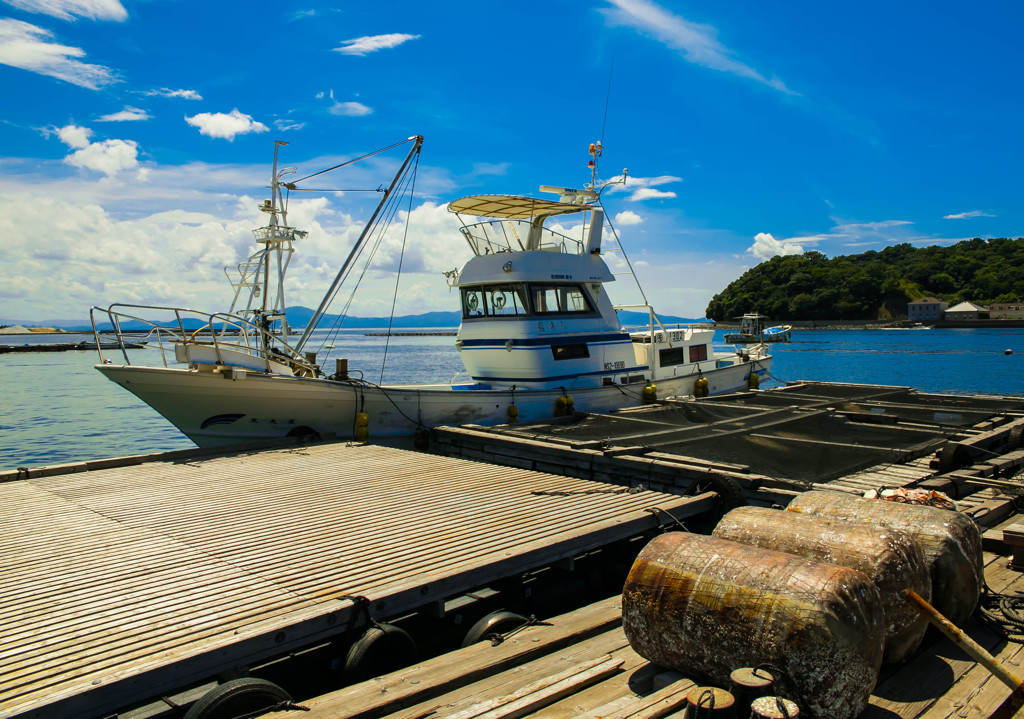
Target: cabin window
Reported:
point(506, 300)
point(494, 301)
point(698, 353)
point(472, 303)
point(559, 299)
point(671, 357)
point(564, 352)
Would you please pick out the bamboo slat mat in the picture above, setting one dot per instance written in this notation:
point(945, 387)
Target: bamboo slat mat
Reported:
point(110, 573)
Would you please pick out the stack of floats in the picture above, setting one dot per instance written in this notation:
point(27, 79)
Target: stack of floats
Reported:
point(812, 591)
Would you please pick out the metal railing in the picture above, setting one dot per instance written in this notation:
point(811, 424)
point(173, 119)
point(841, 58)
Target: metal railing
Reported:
point(496, 236)
point(220, 330)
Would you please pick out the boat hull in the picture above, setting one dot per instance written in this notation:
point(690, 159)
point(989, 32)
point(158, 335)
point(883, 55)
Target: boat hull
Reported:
point(214, 408)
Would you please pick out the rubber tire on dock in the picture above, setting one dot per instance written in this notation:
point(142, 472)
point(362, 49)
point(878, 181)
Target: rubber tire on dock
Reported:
point(238, 697)
point(382, 649)
point(728, 489)
point(306, 435)
point(730, 496)
point(954, 456)
point(494, 623)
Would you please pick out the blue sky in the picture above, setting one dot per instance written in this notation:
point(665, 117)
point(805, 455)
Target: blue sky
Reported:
point(136, 136)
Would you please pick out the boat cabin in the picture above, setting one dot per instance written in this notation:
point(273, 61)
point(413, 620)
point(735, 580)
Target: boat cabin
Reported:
point(535, 311)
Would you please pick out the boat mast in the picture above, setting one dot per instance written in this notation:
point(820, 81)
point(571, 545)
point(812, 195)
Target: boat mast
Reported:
point(417, 141)
point(277, 239)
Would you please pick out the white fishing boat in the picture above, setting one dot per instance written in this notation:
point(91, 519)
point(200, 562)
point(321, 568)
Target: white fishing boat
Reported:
point(539, 336)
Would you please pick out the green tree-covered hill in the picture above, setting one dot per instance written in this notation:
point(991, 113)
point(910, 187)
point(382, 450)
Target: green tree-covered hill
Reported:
point(875, 285)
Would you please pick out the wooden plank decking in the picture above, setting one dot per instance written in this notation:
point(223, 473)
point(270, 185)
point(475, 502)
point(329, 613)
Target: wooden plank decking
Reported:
point(123, 583)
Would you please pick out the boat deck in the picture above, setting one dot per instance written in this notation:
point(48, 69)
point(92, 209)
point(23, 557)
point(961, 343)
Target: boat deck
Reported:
point(581, 665)
point(128, 582)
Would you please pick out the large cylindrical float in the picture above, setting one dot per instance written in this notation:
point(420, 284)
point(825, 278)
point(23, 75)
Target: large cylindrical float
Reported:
point(891, 559)
point(951, 542)
point(705, 606)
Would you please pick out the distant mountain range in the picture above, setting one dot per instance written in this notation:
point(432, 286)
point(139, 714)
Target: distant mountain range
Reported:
point(299, 317)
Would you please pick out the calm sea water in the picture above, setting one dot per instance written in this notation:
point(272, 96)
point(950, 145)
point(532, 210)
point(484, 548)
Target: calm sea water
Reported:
point(55, 407)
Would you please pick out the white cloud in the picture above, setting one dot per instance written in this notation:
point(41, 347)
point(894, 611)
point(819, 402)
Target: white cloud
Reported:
point(766, 247)
point(968, 215)
point(628, 217)
point(288, 125)
point(642, 188)
point(373, 43)
point(696, 42)
point(350, 109)
point(166, 240)
point(869, 227)
point(167, 92)
point(488, 168)
point(68, 9)
point(108, 156)
point(129, 114)
point(74, 136)
point(226, 126)
point(31, 48)
point(647, 193)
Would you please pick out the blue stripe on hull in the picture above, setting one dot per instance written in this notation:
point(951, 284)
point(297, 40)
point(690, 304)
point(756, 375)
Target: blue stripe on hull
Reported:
point(547, 341)
point(626, 370)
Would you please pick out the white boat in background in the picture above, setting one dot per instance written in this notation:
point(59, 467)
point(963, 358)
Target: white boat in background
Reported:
point(915, 326)
point(753, 331)
point(539, 337)
point(779, 333)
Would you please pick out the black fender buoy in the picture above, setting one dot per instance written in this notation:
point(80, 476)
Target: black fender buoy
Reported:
point(383, 648)
point(238, 697)
point(305, 434)
point(494, 623)
point(421, 439)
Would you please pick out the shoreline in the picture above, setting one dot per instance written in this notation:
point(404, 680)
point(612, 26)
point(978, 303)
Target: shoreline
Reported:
point(795, 324)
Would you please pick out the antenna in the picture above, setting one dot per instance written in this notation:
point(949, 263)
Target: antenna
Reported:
point(607, 97)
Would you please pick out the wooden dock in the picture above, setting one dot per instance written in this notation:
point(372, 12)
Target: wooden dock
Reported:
point(772, 444)
point(581, 665)
point(137, 579)
point(127, 580)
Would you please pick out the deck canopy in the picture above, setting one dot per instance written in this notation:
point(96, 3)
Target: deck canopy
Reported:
point(512, 207)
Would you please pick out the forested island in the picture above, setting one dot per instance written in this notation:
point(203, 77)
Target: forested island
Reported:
point(875, 285)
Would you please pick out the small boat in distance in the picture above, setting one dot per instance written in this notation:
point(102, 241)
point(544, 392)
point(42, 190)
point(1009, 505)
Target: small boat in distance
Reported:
point(779, 333)
point(915, 326)
point(539, 337)
point(752, 330)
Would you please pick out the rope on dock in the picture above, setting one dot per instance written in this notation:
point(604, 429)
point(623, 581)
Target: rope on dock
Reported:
point(497, 639)
point(1003, 613)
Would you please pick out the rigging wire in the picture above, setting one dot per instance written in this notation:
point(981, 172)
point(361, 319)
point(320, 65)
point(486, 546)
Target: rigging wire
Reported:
point(398, 277)
point(389, 211)
point(349, 162)
point(321, 189)
point(607, 97)
point(625, 257)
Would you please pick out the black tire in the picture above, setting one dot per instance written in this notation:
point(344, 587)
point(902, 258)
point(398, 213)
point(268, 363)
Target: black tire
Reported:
point(1013, 442)
point(494, 623)
point(730, 496)
point(382, 648)
point(237, 698)
point(954, 457)
point(306, 435)
point(728, 489)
